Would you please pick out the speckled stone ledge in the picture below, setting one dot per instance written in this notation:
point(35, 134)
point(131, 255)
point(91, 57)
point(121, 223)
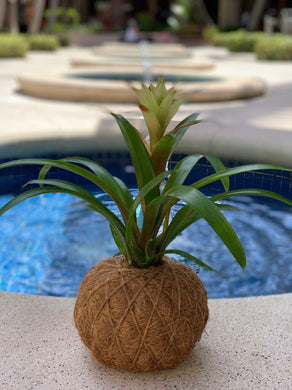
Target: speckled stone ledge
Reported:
point(247, 345)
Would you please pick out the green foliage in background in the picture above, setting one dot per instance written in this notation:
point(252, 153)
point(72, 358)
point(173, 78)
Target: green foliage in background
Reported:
point(13, 46)
point(242, 41)
point(275, 48)
point(44, 42)
point(66, 19)
point(236, 41)
point(210, 32)
point(64, 40)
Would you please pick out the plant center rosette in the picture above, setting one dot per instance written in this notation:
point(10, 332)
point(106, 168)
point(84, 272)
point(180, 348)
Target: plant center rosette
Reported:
point(141, 310)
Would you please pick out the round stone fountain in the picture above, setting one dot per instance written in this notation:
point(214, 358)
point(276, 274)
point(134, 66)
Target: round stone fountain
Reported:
point(108, 73)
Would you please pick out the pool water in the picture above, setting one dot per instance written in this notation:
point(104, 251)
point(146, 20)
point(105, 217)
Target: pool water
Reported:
point(49, 242)
point(141, 76)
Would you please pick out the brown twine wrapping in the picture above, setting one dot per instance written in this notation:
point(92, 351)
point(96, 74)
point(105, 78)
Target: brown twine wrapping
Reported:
point(141, 319)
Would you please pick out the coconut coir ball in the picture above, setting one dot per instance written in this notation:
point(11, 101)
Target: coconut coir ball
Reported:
point(141, 319)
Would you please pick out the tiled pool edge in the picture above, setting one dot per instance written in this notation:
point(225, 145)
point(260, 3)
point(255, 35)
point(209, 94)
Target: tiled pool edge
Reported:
point(246, 346)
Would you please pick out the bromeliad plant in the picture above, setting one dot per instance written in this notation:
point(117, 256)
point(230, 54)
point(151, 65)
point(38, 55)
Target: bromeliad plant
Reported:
point(141, 295)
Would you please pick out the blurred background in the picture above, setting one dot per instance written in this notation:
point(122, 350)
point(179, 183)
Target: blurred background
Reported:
point(184, 19)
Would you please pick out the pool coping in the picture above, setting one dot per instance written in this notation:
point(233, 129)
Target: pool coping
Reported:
point(208, 137)
point(245, 346)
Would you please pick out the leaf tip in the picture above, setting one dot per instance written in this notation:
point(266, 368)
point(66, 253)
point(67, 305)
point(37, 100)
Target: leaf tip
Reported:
point(144, 108)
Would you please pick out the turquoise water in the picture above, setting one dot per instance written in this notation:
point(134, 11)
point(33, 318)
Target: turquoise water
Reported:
point(48, 243)
point(140, 77)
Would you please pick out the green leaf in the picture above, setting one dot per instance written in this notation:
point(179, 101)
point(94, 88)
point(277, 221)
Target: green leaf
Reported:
point(159, 91)
point(208, 210)
point(252, 192)
point(141, 96)
point(150, 249)
point(81, 193)
point(153, 126)
point(117, 186)
point(233, 171)
point(44, 171)
point(152, 220)
point(119, 192)
point(185, 217)
point(219, 167)
point(181, 171)
point(140, 157)
point(94, 205)
point(171, 111)
point(164, 149)
point(152, 104)
point(187, 122)
point(120, 243)
point(165, 114)
point(177, 177)
point(191, 258)
point(141, 195)
point(106, 181)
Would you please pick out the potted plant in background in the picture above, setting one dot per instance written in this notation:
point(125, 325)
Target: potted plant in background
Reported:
point(141, 310)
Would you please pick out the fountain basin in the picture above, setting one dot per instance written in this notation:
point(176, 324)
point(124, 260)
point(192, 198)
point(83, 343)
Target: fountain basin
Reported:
point(196, 64)
point(67, 87)
point(153, 51)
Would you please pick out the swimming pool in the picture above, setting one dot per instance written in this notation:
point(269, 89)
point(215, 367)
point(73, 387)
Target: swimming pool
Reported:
point(48, 243)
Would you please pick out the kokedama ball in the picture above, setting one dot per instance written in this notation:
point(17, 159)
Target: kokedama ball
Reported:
point(141, 319)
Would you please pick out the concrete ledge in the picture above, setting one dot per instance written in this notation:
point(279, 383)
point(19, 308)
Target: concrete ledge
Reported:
point(247, 345)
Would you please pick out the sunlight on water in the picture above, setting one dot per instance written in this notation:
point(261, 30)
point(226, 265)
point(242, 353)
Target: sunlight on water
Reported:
point(48, 243)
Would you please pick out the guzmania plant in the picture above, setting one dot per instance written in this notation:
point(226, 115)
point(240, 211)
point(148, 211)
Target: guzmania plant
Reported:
point(141, 310)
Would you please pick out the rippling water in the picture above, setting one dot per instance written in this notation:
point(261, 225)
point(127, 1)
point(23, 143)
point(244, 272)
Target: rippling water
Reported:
point(48, 243)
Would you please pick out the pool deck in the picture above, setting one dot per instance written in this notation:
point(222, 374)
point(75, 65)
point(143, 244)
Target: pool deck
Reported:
point(256, 129)
point(247, 343)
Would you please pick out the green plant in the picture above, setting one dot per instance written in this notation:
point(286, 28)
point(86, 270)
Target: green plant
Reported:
point(242, 41)
point(188, 13)
point(13, 46)
point(219, 39)
point(146, 244)
point(277, 48)
point(94, 27)
point(236, 41)
point(140, 294)
point(73, 15)
point(66, 19)
point(210, 32)
point(145, 21)
point(43, 42)
point(63, 40)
